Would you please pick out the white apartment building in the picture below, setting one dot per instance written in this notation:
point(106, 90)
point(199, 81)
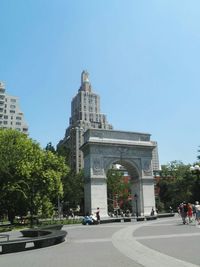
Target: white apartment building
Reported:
point(11, 115)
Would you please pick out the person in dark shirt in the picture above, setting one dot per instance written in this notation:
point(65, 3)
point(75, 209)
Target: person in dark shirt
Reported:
point(98, 215)
point(183, 209)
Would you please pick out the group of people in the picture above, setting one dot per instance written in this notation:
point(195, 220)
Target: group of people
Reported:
point(189, 212)
point(91, 219)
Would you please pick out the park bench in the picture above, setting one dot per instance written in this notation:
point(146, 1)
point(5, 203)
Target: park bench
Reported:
point(40, 238)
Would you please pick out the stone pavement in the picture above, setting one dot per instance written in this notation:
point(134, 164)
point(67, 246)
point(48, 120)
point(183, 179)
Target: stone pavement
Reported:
point(163, 242)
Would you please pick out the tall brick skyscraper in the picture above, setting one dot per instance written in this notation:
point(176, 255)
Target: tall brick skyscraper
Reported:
point(85, 114)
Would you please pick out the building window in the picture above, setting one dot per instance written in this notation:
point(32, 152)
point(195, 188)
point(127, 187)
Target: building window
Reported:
point(12, 106)
point(5, 117)
point(12, 111)
point(18, 118)
point(5, 122)
point(18, 123)
point(13, 100)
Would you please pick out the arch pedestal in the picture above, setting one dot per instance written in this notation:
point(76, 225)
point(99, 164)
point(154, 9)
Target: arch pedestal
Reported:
point(101, 149)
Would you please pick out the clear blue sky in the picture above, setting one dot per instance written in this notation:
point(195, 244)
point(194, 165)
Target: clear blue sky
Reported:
point(143, 58)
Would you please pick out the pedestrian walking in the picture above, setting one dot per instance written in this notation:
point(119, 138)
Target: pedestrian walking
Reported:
point(190, 212)
point(183, 212)
point(98, 215)
point(152, 212)
point(197, 208)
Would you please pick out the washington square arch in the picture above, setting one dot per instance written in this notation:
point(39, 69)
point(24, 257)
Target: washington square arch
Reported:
point(101, 149)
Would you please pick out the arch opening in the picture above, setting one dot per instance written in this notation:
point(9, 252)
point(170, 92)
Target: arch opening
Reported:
point(122, 183)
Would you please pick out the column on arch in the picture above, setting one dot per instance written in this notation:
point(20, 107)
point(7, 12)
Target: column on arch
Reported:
point(148, 195)
point(99, 195)
point(95, 188)
point(148, 190)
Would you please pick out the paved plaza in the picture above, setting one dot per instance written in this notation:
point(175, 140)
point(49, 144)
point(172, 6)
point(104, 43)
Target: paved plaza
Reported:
point(163, 242)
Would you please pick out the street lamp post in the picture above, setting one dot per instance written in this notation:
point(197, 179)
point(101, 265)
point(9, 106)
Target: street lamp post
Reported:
point(136, 203)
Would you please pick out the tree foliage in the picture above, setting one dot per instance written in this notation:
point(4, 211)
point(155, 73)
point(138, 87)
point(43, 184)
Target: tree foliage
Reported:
point(177, 184)
point(50, 147)
point(198, 157)
point(73, 186)
point(117, 189)
point(73, 183)
point(30, 177)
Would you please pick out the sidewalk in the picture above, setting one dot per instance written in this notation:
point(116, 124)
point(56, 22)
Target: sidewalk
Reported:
point(161, 242)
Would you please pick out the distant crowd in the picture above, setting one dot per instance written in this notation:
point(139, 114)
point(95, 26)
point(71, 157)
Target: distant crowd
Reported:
point(189, 212)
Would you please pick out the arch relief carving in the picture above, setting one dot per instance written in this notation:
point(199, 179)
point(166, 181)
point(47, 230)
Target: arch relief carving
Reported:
point(97, 166)
point(119, 151)
point(102, 158)
point(147, 168)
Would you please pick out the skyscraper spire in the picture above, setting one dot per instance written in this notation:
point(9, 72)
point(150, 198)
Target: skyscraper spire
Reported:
point(85, 83)
point(84, 77)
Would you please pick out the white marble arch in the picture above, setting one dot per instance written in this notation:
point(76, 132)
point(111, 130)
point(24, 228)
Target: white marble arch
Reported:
point(133, 150)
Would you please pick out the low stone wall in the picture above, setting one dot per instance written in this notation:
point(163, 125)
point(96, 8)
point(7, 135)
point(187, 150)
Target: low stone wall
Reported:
point(39, 237)
point(134, 218)
point(164, 215)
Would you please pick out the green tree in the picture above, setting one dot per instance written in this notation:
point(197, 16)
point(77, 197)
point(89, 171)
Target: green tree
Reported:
point(64, 151)
point(117, 189)
point(50, 147)
point(50, 187)
point(176, 184)
point(30, 177)
point(73, 186)
point(198, 157)
point(73, 183)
